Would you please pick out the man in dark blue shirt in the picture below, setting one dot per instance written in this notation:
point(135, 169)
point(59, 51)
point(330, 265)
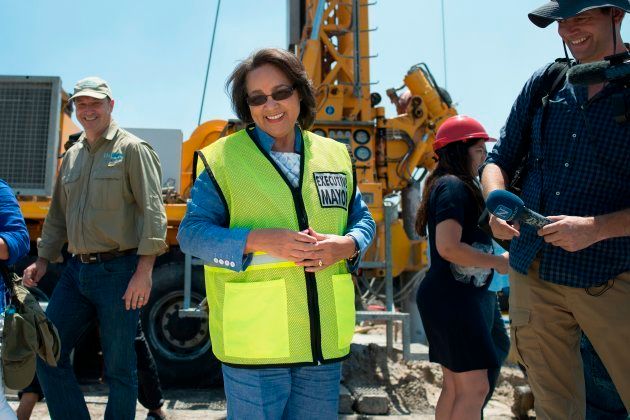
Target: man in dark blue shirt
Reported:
point(573, 274)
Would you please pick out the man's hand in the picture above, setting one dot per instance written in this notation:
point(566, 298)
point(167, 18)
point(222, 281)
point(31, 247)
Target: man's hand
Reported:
point(331, 248)
point(571, 233)
point(139, 288)
point(503, 261)
point(283, 243)
point(4, 250)
point(34, 272)
point(502, 229)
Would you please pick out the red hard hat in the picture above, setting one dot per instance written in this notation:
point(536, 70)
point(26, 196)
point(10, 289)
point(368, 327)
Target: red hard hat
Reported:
point(459, 128)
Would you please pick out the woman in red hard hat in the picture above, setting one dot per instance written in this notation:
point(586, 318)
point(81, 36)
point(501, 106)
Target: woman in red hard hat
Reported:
point(452, 297)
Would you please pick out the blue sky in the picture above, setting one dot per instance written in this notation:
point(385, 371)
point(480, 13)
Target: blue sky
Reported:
point(153, 53)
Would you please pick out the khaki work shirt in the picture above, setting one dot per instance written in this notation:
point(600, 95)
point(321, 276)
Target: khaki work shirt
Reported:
point(107, 197)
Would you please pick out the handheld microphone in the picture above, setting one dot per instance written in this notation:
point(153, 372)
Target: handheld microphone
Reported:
point(507, 206)
point(598, 72)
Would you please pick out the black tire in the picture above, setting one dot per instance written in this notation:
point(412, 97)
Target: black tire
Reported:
point(180, 346)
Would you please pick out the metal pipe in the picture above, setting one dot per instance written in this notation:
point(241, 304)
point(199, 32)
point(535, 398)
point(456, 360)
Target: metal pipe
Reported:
point(187, 280)
point(406, 336)
point(390, 208)
point(205, 82)
point(357, 53)
point(317, 20)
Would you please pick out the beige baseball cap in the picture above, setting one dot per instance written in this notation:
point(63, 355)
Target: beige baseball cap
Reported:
point(92, 86)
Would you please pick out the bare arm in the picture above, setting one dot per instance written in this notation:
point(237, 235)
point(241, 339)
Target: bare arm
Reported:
point(574, 233)
point(139, 288)
point(494, 178)
point(450, 247)
point(613, 225)
point(34, 272)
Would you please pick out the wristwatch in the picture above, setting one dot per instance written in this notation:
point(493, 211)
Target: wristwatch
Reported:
point(357, 250)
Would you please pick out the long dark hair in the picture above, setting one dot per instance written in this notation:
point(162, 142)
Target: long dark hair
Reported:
point(286, 62)
point(453, 159)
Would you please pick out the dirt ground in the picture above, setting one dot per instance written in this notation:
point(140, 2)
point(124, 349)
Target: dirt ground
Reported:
point(413, 388)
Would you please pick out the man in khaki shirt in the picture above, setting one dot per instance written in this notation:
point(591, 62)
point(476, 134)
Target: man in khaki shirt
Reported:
point(107, 204)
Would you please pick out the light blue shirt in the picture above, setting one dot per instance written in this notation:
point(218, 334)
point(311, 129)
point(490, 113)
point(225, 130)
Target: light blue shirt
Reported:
point(499, 281)
point(204, 231)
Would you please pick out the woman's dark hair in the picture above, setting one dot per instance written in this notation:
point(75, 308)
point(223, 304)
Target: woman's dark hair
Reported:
point(288, 64)
point(453, 160)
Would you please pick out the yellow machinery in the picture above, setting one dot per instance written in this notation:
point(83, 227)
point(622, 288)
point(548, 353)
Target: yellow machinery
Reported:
point(332, 39)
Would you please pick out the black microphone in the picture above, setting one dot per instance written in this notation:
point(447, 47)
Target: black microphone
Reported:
point(507, 206)
point(598, 72)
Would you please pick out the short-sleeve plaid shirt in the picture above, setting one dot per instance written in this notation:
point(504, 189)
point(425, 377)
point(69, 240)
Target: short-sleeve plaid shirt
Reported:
point(580, 168)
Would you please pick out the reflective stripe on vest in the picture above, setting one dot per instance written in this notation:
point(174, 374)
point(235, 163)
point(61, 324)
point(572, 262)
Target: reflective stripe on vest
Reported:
point(274, 313)
point(260, 261)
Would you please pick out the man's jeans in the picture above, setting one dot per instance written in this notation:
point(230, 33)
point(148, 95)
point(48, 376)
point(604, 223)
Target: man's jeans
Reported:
point(86, 292)
point(149, 388)
point(310, 392)
point(602, 400)
point(493, 320)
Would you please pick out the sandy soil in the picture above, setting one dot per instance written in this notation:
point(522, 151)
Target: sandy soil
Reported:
point(412, 386)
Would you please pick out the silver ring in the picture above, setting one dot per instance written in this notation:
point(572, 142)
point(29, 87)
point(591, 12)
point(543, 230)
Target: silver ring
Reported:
point(320, 263)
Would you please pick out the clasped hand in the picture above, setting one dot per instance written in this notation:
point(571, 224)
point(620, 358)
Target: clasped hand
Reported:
point(308, 248)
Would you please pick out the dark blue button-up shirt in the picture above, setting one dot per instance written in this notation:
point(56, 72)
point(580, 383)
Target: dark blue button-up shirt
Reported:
point(579, 166)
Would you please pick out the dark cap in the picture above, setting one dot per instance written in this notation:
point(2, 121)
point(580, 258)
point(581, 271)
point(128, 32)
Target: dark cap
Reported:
point(564, 9)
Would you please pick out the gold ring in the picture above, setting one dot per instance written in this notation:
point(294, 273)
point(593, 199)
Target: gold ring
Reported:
point(140, 298)
point(320, 263)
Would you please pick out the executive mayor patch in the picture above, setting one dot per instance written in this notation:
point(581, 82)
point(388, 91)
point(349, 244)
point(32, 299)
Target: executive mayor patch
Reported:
point(332, 188)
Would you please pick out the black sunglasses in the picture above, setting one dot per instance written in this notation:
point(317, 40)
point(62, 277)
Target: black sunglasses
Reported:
point(280, 94)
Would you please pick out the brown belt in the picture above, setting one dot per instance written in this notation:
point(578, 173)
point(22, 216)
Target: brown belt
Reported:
point(99, 257)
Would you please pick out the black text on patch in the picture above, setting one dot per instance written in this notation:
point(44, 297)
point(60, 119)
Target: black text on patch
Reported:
point(332, 188)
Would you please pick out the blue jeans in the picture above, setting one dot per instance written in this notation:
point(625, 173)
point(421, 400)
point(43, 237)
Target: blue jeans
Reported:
point(310, 392)
point(602, 400)
point(86, 292)
point(500, 337)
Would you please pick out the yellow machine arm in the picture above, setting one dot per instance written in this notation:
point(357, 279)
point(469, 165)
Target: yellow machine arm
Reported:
point(332, 39)
point(333, 44)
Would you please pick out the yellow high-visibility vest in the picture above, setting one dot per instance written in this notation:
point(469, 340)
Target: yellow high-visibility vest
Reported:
point(274, 313)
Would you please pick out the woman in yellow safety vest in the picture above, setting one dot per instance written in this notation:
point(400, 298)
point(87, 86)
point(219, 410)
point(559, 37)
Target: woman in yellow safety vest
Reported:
point(276, 216)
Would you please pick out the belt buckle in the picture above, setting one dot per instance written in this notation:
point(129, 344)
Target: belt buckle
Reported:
point(88, 258)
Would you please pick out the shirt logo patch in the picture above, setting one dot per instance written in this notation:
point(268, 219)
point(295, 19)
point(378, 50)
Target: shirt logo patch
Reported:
point(114, 158)
point(332, 188)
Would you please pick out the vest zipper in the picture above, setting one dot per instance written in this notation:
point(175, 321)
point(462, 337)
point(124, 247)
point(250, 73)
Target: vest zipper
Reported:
point(311, 288)
point(312, 297)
